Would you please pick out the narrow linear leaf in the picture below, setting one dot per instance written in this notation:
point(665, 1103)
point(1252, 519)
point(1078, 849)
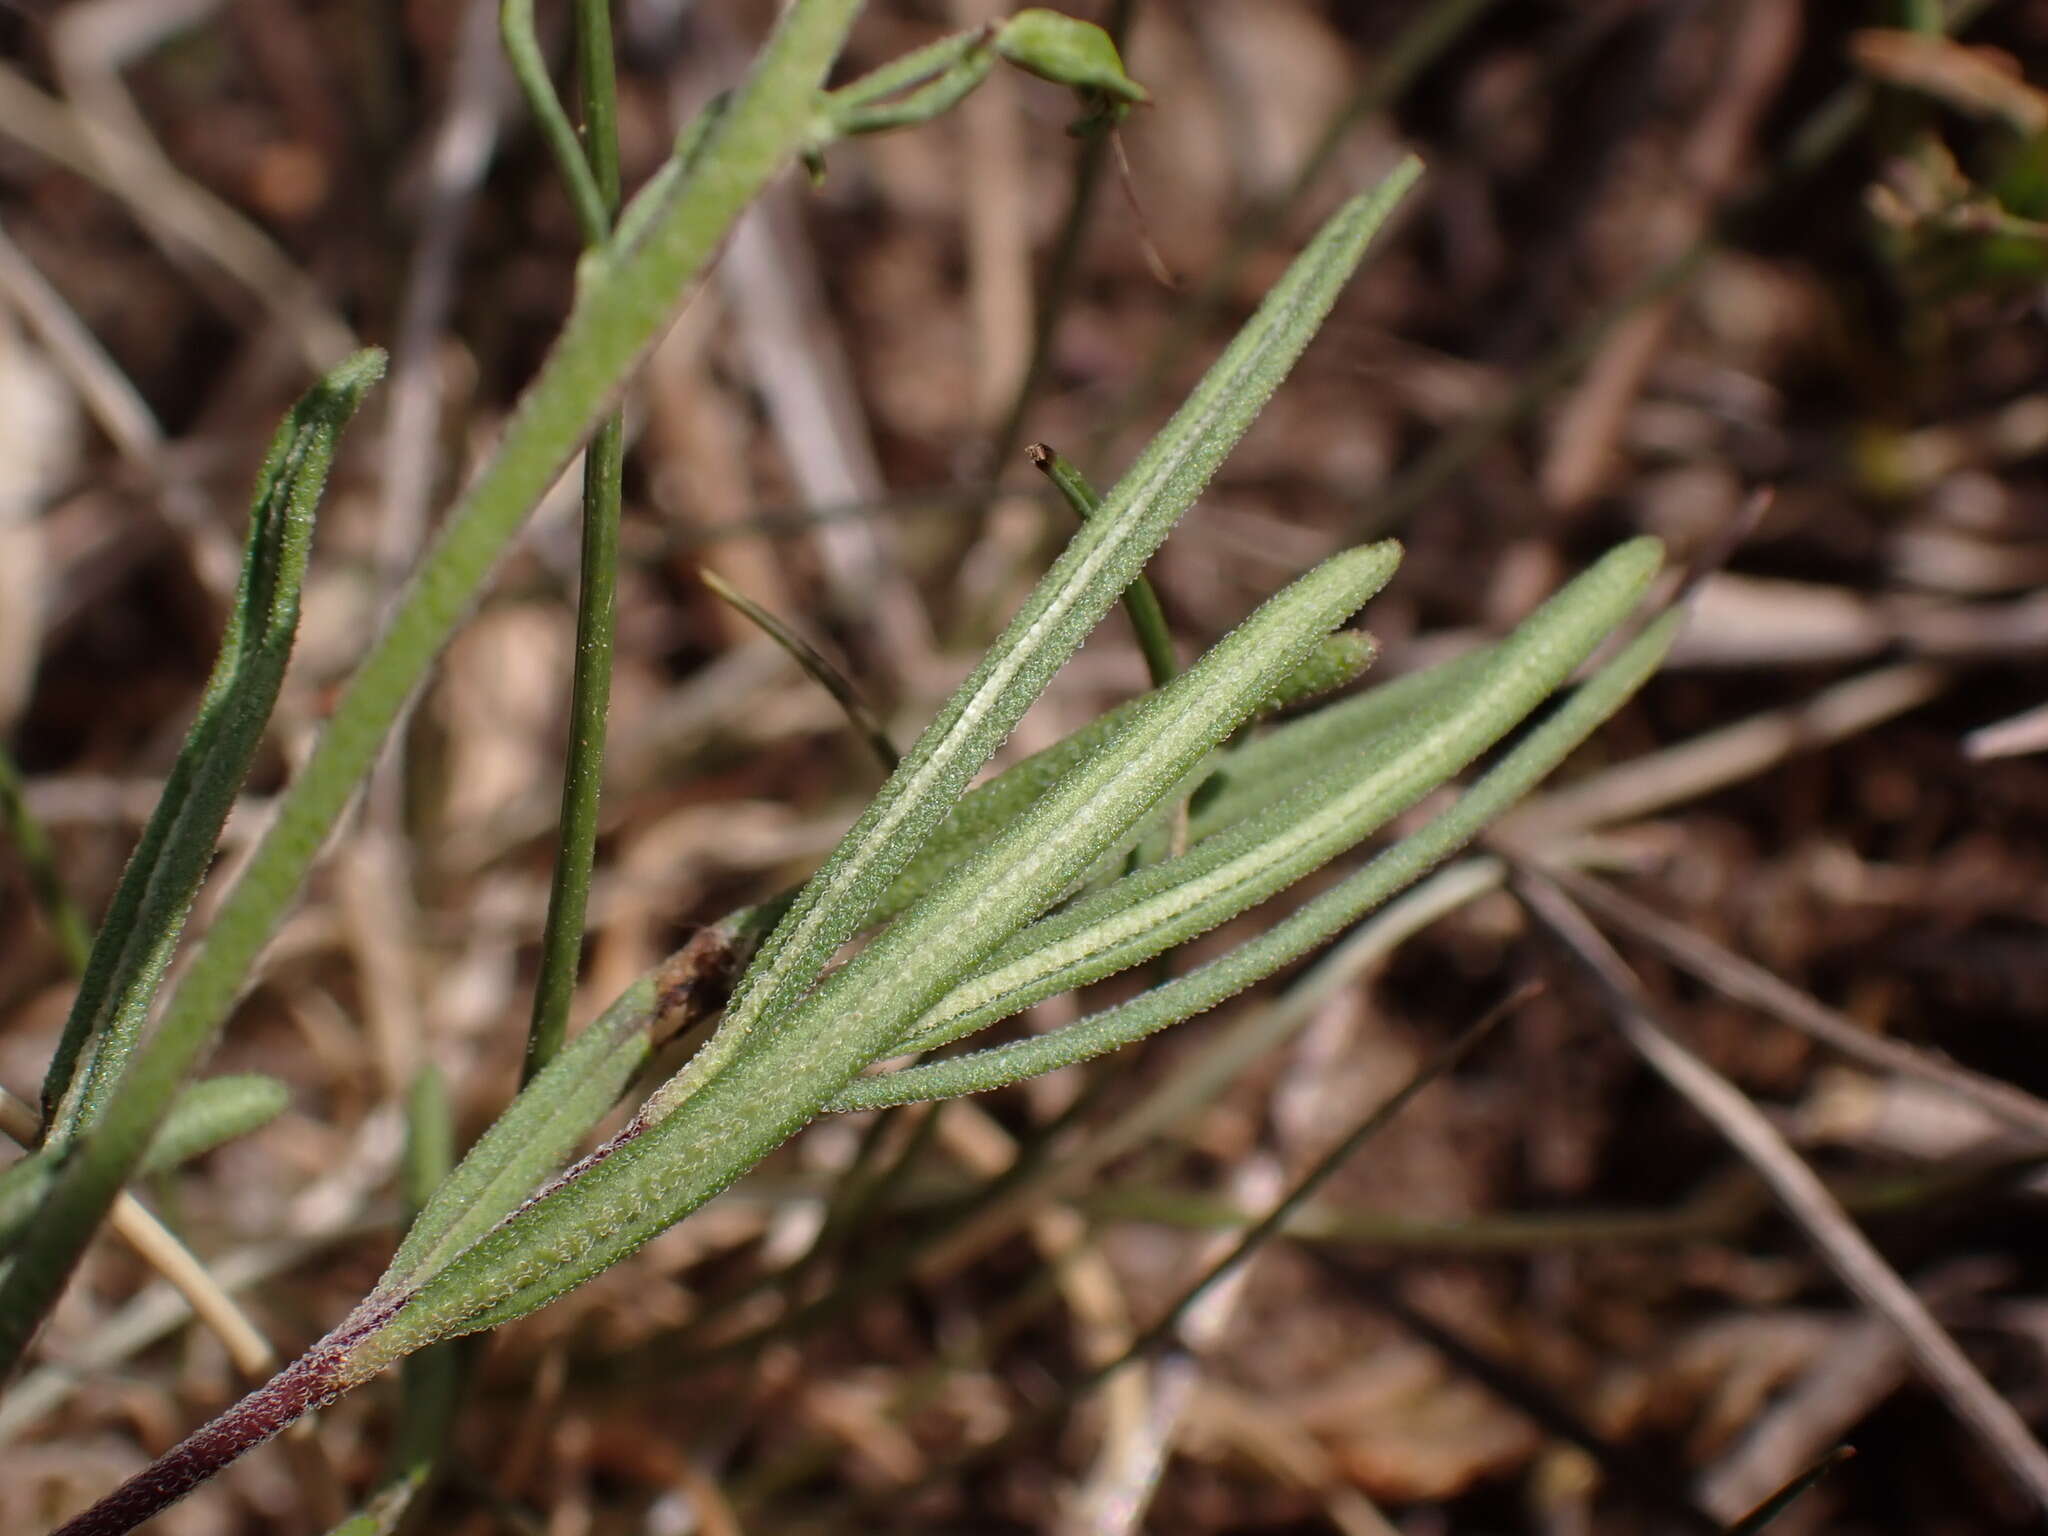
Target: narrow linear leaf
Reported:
point(1085, 816)
point(644, 210)
point(617, 315)
point(212, 1113)
point(156, 891)
point(1102, 559)
point(1338, 662)
point(1167, 904)
point(1310, 926)
point(814, 662)
point(664, 1167)
point(1269, 767)
point(1338, 659)
point(1141, 602)
point(207, 1115)
point(537, 1133)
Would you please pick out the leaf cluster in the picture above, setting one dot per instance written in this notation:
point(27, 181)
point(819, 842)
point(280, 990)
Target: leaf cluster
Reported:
point(1158, 823)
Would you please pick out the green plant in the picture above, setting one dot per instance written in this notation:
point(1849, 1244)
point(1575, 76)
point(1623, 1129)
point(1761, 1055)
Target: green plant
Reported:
point(975, 903)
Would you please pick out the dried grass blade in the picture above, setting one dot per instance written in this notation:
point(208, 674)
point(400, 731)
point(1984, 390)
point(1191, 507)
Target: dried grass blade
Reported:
point(1856, 1263)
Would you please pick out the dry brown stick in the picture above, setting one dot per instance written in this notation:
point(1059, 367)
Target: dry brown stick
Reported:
point(1761, 621)
point(1760, 43)
point(1706, 762)
point(796, 353)
point(1856, 1263)
point(2013, 737)
point(1862, 1367)
point(1222, 1061)
point(1748, 982)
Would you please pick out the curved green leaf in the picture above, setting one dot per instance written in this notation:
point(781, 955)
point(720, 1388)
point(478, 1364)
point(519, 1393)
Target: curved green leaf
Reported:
point(1167, 904)
point(1312, 925)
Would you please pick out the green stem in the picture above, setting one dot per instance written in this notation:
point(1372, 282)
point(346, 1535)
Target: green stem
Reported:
point(432, 1381)
point(1141, 600)
point(616, 318)
point(590, 691)
point(1089, 160)
point(593, 205)
point(598, 80)
point(561, 949)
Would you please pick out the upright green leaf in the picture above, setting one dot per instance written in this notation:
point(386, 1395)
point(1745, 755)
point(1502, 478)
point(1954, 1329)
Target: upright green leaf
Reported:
point(1102, 560)
point(209, 1114)
point(1340, 659)
point(630, 293)
point(664, 1167)
point(1294, 936)
point(155, 895)
point(1167, 904)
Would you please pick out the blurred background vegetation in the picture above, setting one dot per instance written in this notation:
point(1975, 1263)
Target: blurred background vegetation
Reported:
point(1669, 255)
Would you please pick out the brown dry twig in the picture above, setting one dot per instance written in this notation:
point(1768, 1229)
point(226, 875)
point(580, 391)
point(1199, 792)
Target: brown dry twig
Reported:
point(1855, 1262)
point(1748, 982)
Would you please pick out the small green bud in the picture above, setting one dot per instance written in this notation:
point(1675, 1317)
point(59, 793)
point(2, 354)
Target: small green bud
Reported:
point(1067, 52)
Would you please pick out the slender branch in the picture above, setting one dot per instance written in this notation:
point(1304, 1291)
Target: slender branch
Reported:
point(1141, 600)
point(1791, 1493)
point(1090, 157)
point(593, 204)
point(1856, 1263)
point(835, 682)
point(1162, 1328)
point(1748, 982)
point(590, 690)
